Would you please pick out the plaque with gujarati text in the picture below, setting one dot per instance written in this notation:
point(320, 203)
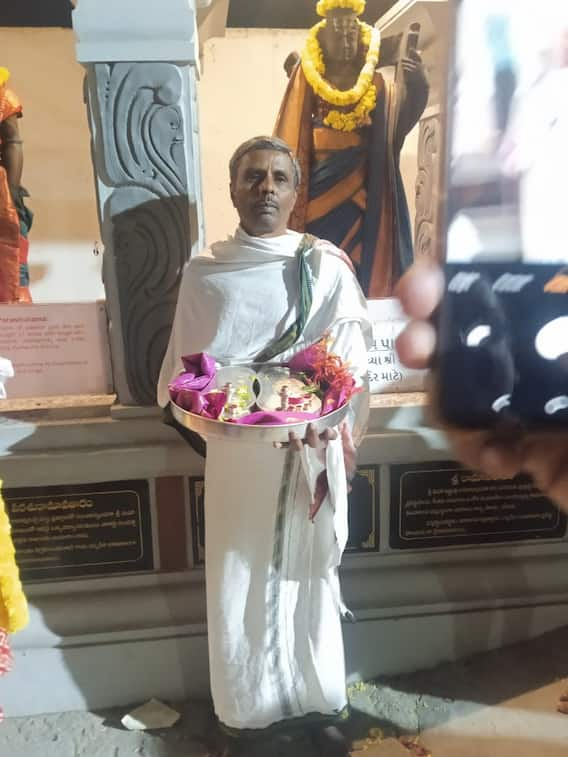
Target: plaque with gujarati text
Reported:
point(85, 530)
point(363, 513)
point(442, 505)
point(386, 372)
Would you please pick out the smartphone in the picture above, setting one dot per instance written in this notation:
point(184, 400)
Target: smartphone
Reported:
point(503, 322)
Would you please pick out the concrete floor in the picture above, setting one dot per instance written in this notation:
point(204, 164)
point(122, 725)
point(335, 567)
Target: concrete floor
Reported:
point(498, 704)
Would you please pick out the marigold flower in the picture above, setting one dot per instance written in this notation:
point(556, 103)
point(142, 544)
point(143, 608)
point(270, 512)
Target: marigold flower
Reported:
point(363, 95)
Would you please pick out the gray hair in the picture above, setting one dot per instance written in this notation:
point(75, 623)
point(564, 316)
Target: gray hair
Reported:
point(264, 143)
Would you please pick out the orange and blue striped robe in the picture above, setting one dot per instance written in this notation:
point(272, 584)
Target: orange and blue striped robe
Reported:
point(351, 192)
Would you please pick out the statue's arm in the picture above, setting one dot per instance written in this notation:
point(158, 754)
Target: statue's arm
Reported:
point(415, 97)
point(12, 152)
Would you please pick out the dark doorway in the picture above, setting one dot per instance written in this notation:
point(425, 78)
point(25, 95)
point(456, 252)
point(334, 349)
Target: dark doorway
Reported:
point(35, 13)
point(289, 14)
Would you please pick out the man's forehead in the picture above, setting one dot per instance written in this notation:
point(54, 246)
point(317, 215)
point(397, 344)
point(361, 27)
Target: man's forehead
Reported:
point(267, 157)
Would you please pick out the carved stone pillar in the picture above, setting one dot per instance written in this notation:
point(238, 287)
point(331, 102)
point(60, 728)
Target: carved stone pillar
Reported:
point(433, 17)
point(140, 90)
point(427, 184)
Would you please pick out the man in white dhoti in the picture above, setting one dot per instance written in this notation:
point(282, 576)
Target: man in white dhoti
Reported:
point(273, 598)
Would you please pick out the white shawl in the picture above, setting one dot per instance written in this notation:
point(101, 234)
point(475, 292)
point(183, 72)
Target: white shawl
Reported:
point(238, 297)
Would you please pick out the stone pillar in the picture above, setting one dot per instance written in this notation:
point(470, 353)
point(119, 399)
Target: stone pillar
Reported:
point(427, 184)
point(433, 17)
point(141, 62)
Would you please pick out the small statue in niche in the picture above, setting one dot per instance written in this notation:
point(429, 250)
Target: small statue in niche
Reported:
point(347, 125)
point(15, 217)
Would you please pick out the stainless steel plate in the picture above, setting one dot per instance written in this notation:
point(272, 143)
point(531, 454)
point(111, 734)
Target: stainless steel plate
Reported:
point(210, 429)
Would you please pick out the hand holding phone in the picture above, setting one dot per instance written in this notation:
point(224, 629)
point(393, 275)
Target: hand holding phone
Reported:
point(542, 455)
point(502, 356)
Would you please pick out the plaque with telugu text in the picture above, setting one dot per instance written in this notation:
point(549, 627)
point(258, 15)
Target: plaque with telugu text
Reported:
point(363, 513)
point(74, 531)
point(442, 505)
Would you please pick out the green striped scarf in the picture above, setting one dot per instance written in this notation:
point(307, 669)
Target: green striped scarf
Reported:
point(294, 332)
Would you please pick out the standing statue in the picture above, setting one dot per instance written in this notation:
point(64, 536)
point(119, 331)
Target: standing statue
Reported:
point(15, 217)
point(347, 125)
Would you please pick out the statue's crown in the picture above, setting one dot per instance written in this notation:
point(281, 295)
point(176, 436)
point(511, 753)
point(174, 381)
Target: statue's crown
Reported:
point(324, 6)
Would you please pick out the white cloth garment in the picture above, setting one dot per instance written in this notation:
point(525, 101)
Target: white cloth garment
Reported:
point(273, 599)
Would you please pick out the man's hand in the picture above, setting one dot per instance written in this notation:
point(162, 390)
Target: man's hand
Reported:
point(542, 455)
point(420, 292)
point(312, 438)
point(320, 442)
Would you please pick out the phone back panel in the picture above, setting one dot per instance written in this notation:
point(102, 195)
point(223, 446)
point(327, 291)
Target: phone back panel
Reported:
point(503, 323)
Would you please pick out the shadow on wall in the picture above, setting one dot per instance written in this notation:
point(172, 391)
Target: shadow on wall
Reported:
point(142, 268)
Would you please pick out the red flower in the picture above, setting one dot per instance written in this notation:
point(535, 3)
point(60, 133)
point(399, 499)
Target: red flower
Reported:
point(328, 371)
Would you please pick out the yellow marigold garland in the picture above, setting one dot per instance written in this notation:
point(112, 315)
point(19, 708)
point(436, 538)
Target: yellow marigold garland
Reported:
point(350, 120)
point(324, 6)
point(13, 605)
point(4, 76)
point(363, 95)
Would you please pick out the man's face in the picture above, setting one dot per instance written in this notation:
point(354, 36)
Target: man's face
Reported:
point(264, 192)
point(340, 38)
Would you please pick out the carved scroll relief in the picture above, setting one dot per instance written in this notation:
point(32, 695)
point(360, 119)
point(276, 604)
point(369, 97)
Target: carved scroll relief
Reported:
point(427, 183)
point(139, 122)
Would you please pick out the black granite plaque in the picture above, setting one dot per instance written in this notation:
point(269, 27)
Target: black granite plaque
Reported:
point(75, 531)
point(442, 505)
point(197, 505)
point(363, 513)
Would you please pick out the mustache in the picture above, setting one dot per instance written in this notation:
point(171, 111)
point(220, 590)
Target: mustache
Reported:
point(266, 202)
